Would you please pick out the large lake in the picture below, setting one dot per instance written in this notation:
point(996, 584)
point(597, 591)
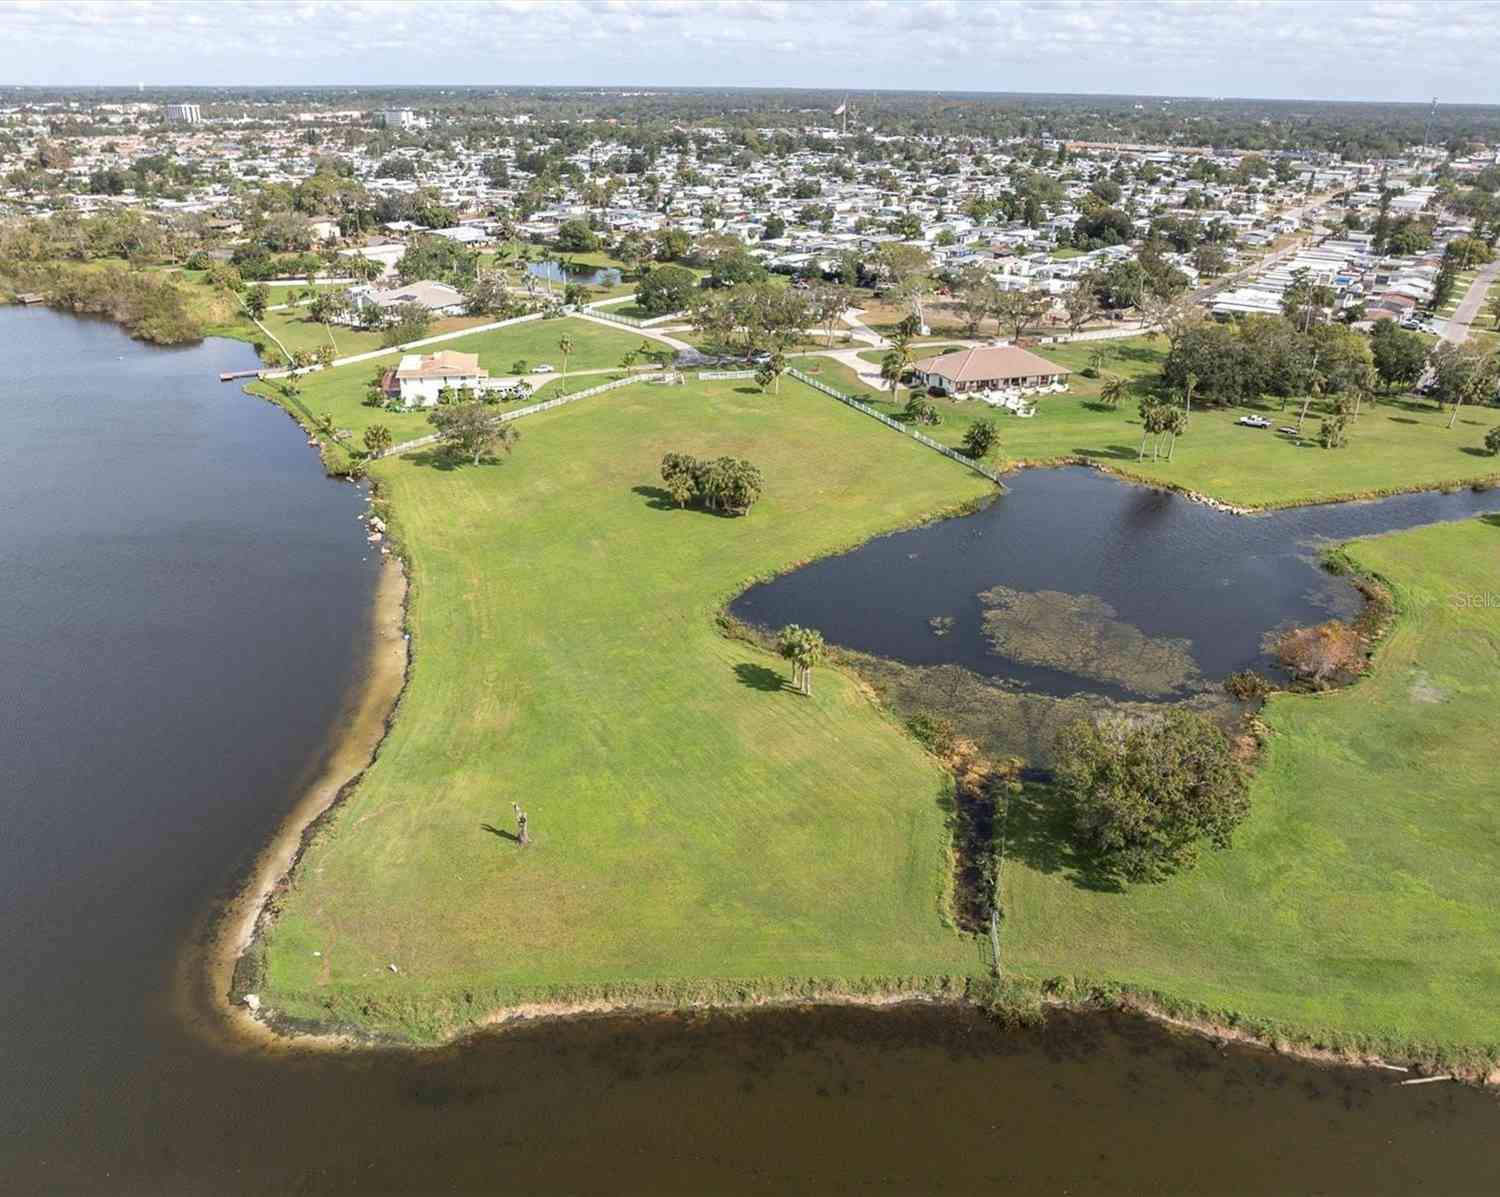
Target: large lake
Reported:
point(183, 602)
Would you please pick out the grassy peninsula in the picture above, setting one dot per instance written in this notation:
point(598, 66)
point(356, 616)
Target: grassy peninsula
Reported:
point(695, 822)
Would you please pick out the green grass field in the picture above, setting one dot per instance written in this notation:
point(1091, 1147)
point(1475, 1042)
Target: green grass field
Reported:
point(693, 820)
point(1360, 895)
point(340, 393)
point(296, 330)
point(700, 829)
point(1399, 443)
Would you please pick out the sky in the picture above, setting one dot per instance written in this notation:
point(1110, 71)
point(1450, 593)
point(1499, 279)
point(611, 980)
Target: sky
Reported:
point(1284, 49)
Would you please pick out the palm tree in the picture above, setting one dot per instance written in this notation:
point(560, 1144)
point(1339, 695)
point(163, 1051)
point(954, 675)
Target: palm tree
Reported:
point(1190, 384)
point(1114, 390)
point(788, 647)
point(892, 366)
point(810, 652)
point(377, 439)
point(777, 366)
point(565, 347)
point(1315, 387)
point(1174, 423)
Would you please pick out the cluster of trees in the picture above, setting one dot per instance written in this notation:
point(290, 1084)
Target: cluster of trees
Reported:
point(69, 237)
point(437, 258)
point(1166, 422)
point(752, 317)
point(1267, 355)
point(488, 295)
point(728, 485)
point(1462, 374)
point(1146, 794)
point(150, 306)
point(804, 648)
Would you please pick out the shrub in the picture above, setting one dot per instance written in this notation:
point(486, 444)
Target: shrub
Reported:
point(934, 731)
point(1247, 685)
point(920, 410)
point(1323, 655)
point(980, 439)
point(1492, 441)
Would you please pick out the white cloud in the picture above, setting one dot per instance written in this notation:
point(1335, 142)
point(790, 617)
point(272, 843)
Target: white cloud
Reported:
point(1313, 48)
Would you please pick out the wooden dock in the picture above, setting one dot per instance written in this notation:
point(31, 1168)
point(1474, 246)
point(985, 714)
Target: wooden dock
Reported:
point(231, 375)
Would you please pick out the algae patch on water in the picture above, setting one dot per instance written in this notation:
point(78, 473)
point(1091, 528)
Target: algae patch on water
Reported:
point(1083, 635)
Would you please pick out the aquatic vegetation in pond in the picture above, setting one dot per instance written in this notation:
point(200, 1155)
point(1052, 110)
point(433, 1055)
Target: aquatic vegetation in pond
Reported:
point(1083, 635)
point(1003, 720)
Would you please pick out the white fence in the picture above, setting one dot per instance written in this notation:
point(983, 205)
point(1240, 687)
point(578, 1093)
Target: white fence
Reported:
point(717, 375)
point(504, 417)
point(632, 321)
point(954, 454)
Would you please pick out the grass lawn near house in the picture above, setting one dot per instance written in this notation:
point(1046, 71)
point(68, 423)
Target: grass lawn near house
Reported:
point(693, 821)
point(1400, 443)
point(296, 330)
point(340, 392)
point(1360, 894)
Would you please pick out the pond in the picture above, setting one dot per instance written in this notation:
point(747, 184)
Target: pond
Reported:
point(183, 600)
point(1074, 581)
point(590, 276)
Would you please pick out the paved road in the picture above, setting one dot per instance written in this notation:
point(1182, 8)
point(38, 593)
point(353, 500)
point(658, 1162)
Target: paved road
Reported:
point(1456, 331)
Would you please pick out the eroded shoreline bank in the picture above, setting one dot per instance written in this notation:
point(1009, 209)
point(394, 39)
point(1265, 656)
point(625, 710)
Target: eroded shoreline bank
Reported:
point(212, 982)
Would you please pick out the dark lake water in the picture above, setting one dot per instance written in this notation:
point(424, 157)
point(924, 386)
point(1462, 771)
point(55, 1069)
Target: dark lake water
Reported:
point(1160, 569)
point(589, 276)
point(182, 606)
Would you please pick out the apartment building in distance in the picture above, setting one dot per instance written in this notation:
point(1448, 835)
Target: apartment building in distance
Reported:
point(183, 114)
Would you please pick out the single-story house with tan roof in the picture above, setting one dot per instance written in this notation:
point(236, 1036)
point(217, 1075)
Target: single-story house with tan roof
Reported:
point(438, 298)
point(419, 378)
point(988, 368)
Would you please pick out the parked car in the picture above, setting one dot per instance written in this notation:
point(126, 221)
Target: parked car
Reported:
point(1254, 421)
point(544, 368)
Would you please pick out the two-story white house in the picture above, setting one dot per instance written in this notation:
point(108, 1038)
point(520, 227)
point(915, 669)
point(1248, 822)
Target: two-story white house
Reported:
point(419, 378)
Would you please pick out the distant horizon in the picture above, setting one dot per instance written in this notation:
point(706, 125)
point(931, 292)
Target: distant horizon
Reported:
point(1310, 51)
point(831, 90)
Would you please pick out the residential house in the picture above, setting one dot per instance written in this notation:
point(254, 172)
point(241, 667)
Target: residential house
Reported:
point(438, 298)
point(988, 368)
point(418, 379)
